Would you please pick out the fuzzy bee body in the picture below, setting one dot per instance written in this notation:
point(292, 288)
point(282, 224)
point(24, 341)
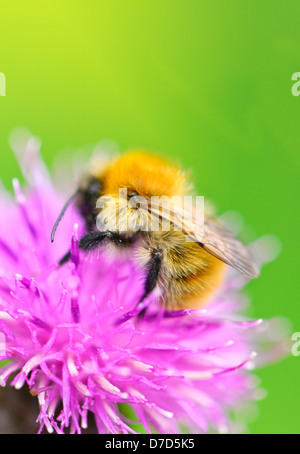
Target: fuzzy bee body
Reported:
point(185, 272)
point(188, 274)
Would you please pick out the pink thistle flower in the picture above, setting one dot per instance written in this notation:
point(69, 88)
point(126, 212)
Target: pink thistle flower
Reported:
point(61, 337)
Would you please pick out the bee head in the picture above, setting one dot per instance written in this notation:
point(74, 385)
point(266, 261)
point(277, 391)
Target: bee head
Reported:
point(127, 212)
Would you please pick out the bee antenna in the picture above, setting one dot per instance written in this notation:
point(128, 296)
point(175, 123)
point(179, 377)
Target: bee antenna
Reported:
point(61, 215)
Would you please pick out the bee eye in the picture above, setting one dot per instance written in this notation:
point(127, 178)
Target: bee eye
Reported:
point(132, 194)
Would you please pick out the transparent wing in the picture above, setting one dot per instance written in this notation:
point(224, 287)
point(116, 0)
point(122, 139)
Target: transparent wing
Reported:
point(219, 241)
point(210, 234)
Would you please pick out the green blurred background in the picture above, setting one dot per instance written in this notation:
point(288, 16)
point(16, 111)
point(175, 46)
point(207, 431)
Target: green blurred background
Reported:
point(206, 82)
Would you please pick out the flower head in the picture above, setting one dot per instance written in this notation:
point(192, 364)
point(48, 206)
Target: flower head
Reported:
point(62, 337)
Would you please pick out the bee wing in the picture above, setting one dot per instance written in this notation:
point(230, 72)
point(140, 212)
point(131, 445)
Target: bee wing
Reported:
point(221, 243)
point(212, 236)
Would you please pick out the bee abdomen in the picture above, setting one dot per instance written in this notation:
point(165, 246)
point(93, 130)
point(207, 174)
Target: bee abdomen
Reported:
point(188, 274)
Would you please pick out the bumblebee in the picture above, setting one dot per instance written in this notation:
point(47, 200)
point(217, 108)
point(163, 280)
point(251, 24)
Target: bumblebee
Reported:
point(186, 273)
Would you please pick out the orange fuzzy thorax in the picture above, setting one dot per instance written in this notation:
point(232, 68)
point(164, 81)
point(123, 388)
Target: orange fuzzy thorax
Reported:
point(144, 173)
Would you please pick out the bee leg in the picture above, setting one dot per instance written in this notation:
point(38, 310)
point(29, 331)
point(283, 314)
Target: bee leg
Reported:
point(154, 267)
point(150, 284)
point(91, 241)
point(65, 259)
point(87, 243)
point(151, 279)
